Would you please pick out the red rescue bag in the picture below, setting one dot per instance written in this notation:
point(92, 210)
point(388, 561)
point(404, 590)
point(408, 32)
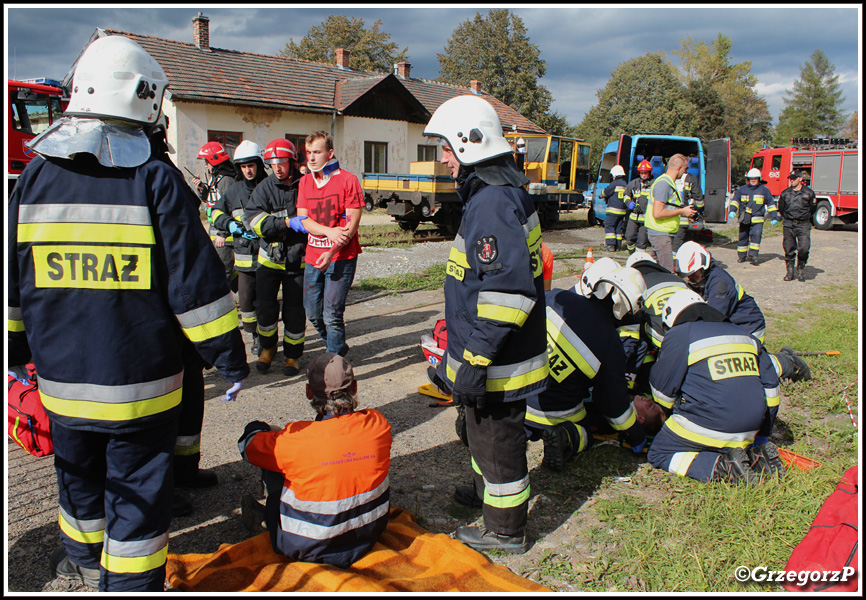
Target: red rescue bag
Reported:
point(28, 422)
point(440, 334)
point(831, 544)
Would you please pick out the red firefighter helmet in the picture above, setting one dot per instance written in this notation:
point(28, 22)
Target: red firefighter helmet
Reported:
point(644, 166)
point(278, 150)
point(214, 153)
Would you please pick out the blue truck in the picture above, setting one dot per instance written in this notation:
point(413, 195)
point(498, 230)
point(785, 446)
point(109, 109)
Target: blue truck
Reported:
point(710, 163)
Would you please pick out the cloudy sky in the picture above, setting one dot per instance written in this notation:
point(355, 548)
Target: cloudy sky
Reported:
point(582, 44)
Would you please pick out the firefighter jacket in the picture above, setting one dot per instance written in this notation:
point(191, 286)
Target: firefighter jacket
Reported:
point(722, 292)
point(692, 195)
point(271, 202)
point(614, 195)
point(231, 205)
point(664, 190)
point(638, 190)
point(105, 280)
point(661, 284)
point(797, 205)
point(335, 498)
point(718, 381)
point(635, 347)
point(494, 292)
point(752, 203)
point(584, 353)
point(222, 178)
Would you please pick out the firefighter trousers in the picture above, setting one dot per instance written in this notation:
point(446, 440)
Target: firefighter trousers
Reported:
point(115, 494)
point(614, 226)
point(187, 449)
point(750, 240)
point(268, 283)
point(497, 445)
point(227, 256)
point(635, 235)
point(676, 454)
point(796, 241)
point(247, 299)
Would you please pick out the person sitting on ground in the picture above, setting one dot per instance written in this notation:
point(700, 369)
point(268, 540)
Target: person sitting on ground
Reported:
point(327, 479)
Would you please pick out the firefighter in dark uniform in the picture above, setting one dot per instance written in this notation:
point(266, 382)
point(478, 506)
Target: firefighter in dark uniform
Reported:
point(614, 220)
point(221, 176)
point(692, 196)
point(750, 205)
point(721, 393)
point(494, 310)
point(119, 257)
point(585, 356)
point(272, 215)
point(796, 205)
point(229, 215)
point(722, 292)
point(636, 196)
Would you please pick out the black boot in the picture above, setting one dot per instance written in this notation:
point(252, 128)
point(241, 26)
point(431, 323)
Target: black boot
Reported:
point(764, 460)
point(733, 467)
point(789, 276)
point(799, 369)
point(800, 275)
point(481, 538)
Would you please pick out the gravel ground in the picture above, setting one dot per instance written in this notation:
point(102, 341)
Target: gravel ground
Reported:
point(427, 459)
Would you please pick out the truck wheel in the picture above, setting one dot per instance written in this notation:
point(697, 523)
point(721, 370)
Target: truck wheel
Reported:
point(591, 219)
point(823, 218)
point(368, 203)
point(408, 225)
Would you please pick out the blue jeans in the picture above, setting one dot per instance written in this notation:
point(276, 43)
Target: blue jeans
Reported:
point(325, 300)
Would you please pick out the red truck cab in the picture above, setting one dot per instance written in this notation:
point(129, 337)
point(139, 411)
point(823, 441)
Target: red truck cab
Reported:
point(32, 108)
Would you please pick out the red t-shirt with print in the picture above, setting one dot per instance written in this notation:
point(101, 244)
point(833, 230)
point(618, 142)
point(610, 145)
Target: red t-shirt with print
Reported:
point(327, 205)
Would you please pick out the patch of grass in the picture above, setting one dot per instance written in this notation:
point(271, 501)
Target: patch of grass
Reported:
point(389, 236)
point(401, 282)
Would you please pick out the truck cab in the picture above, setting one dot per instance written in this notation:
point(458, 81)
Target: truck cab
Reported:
point(710, 163)
point(33, 107)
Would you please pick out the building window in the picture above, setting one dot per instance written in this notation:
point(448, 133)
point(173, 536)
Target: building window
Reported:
point(300, 146)
point(426, 153)
point(375, 157)
point(229, 139)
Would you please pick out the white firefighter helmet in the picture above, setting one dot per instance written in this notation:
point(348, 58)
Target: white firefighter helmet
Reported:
point(676, 303)
point(617, 171)
point(626, 288)
point(639, 256)
point(248, 151)
point(591, 276)
point(471, 127)
point(691, 257)
point(117, 78)
point(753, 174)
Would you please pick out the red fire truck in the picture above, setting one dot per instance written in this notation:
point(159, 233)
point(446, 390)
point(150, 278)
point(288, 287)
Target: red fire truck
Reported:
point(831, 167)
point(33, 106)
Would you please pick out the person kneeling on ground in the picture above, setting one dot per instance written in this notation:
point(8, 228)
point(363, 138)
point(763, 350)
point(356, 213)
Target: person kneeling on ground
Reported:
point(721, 391)
point(327, 480)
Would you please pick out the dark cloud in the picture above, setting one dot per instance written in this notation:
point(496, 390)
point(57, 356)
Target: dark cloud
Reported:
point(581, 45)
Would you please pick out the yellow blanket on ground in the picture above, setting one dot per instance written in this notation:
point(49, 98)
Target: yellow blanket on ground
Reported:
point(407, 558)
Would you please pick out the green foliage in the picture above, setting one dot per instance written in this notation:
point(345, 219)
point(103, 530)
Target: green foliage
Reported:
point(643, 95)
point(370, 49)
point(851, 127)
point(495, 49)
point(813, 109)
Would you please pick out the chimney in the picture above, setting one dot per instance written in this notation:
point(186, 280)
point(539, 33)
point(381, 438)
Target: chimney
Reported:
point(476, 86)
point(201, 31)
point(342, 58)
point(403, 69)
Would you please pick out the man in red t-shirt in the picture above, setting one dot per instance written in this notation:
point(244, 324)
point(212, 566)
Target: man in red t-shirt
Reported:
point(331, 199)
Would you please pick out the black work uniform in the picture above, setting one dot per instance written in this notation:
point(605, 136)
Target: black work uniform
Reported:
point(614, 219)
point(637, 191)
point(796, 207)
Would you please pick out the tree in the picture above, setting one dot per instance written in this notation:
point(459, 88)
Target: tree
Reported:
point(495, 50)
point(370, 49)
point(709, 122)
point(746, 117)
point(851, 127)
point(813, 108)
point(643, 95)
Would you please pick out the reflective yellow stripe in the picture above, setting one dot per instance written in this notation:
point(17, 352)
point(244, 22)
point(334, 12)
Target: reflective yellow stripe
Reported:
point(681, 461)
point(15, 326)
point(515, 383)
point(106, 411)
point(265, 262)
point(615, 211)
point(83, 537)
point(134, 564)
point(85, 232)
point(457, 257)
point(215, 328)
point(15, 432)
point(476, 359)
point(268, 332)
point(710, 351)
point(629, 416)
point(549, 418)
point(705, 440)
point(502, 313)
point(506, 501)
point(247, 261)
point(297, 342)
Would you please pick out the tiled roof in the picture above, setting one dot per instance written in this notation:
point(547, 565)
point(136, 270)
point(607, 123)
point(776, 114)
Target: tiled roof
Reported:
point(246, 78)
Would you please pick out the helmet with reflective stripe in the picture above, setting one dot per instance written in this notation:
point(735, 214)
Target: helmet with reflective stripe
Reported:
point(617, 171)
point(639, 256)
point(117, 78)
point(591, 276)
point(644, 166)
point(247, 151)
point(691, 257)
point(471, 127)
point(626, 288)
point(753, 174)
point(214, 153)
point(677, 303)
point(279, 150)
